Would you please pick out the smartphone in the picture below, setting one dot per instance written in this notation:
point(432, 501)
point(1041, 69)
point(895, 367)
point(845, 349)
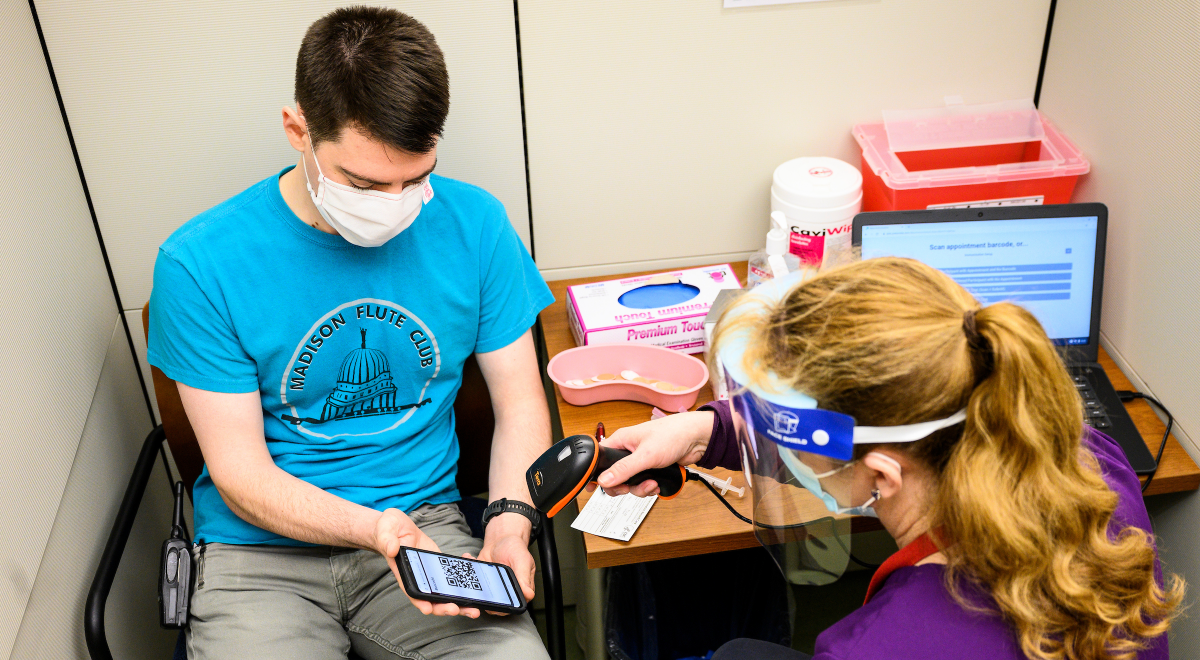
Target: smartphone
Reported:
point(440, 578)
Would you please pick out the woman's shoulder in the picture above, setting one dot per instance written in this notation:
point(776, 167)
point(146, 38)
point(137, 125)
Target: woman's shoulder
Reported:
point(1120, 477)
point(914, 616)
point(1114, 466)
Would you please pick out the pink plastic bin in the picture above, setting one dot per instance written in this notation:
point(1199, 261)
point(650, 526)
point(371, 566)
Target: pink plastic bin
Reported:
point(651, 362)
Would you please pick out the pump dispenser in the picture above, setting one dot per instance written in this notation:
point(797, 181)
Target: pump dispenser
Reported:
point(774, 260)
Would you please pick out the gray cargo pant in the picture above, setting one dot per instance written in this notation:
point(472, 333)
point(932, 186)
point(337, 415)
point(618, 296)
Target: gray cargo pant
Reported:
point(321, 602)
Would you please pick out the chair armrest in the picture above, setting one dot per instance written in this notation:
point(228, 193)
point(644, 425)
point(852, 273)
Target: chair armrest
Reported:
point(93, 611)
point(552, 590)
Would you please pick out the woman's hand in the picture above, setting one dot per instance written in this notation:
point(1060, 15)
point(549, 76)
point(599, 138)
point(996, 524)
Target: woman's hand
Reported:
point(658, 443)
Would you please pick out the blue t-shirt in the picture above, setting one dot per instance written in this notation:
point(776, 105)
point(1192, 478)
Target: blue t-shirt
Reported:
point(357, 353)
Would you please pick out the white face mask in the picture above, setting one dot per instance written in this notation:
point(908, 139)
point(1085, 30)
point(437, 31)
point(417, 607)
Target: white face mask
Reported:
point(366, 218)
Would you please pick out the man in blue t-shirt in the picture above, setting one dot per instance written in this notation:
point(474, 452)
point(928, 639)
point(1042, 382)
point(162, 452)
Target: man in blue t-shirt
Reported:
point(317, 325)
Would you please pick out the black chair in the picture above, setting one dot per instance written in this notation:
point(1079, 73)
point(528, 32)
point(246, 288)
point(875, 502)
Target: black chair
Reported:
point(474, 424)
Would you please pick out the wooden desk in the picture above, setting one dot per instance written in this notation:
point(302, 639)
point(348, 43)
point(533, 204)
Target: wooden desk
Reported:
point(671, 529)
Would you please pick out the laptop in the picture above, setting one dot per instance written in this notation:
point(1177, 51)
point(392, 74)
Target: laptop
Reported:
point(1048, 259)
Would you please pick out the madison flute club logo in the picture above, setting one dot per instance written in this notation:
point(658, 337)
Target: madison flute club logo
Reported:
point(362, 369)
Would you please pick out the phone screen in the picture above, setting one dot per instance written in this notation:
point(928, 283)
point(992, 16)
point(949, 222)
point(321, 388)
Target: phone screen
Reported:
point(461, 578)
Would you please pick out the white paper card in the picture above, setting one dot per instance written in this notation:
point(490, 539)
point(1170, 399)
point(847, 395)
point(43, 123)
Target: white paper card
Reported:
point(752, 3)
point(613, 517)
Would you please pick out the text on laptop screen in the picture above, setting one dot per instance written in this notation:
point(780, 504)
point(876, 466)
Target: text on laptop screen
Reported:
point(1044, 264)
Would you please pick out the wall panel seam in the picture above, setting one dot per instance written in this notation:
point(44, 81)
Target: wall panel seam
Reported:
point(87, 195)
point(524, 131)
point(1037, 89)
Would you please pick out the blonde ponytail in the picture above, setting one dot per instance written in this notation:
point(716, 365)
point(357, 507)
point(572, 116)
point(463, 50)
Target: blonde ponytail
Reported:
point(1042, 550)
point(892, 341)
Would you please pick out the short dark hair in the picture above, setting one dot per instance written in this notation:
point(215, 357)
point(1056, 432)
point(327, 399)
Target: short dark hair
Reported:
point(377, 70)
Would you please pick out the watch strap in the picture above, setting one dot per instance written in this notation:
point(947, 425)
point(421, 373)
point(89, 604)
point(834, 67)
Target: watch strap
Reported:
point(504, 505)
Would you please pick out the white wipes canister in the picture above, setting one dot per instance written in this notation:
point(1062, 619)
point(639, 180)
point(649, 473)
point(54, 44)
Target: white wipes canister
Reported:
point(820, 197)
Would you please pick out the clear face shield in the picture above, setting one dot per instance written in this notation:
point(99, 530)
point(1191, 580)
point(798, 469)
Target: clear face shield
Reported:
point(797, 517)
point(799, 462)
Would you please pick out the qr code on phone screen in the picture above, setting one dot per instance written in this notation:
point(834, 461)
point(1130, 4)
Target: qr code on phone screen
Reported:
point(460, 573)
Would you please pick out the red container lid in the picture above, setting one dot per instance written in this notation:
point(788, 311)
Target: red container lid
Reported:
point(959, 127)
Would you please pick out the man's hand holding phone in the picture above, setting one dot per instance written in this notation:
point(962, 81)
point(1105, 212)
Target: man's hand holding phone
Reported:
point(394, 530)
point(511, 550)
point(465, 581)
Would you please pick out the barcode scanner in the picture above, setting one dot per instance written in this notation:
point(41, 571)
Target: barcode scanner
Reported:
point(558, 475)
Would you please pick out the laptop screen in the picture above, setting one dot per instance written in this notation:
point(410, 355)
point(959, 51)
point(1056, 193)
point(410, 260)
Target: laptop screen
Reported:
point(1044, 264)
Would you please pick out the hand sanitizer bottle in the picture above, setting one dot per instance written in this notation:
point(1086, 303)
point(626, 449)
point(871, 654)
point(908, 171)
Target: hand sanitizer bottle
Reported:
point(774, 260)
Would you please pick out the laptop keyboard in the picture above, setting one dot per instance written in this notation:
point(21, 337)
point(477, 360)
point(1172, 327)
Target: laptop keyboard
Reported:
point(1094, 412)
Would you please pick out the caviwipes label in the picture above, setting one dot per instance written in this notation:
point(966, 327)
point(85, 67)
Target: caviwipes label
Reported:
point(812, 245)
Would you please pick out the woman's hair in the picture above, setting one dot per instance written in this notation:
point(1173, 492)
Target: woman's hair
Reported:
point(893, 341)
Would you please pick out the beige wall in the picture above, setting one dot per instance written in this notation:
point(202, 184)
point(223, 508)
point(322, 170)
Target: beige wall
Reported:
point(654, 127)
point(176, 106)
point(52, 626)
point(68, 401)
point(55, 291)
point(1122, 82)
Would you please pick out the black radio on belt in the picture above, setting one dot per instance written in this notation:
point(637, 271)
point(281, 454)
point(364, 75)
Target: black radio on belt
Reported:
point(175, 578)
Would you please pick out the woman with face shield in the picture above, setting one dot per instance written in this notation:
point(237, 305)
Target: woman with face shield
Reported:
point(883, 388)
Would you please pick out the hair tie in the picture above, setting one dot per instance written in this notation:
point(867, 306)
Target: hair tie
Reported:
point(981, 352)
point(969, 328)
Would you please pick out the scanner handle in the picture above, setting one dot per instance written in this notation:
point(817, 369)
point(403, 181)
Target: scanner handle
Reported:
point(670, 479)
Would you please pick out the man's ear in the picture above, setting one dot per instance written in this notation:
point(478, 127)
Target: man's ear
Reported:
point(295, 128)
point(888, 473)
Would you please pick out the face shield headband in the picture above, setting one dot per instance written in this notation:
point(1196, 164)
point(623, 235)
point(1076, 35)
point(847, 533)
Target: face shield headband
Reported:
point(810, 443)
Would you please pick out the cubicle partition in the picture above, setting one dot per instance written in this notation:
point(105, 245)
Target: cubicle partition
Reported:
point(71, 408)
point(619, 135)
point(1121, 80)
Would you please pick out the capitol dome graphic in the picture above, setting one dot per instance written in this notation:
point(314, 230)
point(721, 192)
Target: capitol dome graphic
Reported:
point(364, 385)
point(349, 384)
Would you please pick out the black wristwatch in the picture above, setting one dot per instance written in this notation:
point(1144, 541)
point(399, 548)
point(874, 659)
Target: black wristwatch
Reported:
point(504, 505)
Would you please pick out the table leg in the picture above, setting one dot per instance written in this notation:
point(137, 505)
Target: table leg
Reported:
point(589, 610)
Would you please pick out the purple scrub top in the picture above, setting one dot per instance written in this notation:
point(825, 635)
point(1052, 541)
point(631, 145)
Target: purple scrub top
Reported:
point(912, 615)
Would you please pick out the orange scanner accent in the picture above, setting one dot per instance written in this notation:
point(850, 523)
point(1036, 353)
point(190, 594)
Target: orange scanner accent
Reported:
point(574, 491)
point(683, 475)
